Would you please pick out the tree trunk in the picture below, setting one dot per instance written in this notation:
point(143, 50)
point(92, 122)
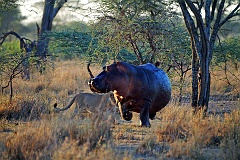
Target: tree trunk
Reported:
point(195, 68)
point(42, 42)
point(49, 13)
point(180, 90)
point(204, 87)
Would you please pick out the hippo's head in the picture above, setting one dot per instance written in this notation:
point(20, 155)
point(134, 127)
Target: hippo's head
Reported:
point(108, 79)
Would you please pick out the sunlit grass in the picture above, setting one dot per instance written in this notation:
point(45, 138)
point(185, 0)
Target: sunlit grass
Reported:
point(42, 139)
point(189, 135)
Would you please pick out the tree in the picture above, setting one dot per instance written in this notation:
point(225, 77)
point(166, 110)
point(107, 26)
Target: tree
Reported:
point(20, 64)
point(51, 8)
point(203, 31)
point(141, 32)
point(134, 28)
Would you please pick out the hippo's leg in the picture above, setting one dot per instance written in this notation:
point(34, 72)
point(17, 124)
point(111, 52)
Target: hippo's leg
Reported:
point(126, 114)
point(144, 115)
point(152, 116)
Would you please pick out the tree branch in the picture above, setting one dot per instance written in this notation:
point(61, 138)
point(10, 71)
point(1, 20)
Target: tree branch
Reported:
point(190, 26)
point(13, 75)
point(135, 48)
point(216, 26)
point(58, 7)
point(200, 25)
point(23, 44)
point(38, 30)
point(213, 10)
point(207, 17)
point(7, 34)
point(232, 14)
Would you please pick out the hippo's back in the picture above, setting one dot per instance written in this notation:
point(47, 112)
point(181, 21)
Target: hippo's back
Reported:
point(162, 77)
point(149, 66)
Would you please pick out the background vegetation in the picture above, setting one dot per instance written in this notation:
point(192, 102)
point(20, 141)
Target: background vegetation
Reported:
point(129, 31)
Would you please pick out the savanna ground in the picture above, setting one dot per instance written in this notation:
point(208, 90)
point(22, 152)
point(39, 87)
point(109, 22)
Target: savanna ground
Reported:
point(30, 129)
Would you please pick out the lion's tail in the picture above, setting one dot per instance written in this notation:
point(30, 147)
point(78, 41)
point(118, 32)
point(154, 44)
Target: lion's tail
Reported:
point(55, 105)
point(67, 107)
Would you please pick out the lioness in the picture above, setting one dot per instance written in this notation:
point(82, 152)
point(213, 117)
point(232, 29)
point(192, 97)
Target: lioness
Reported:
point(92, 103)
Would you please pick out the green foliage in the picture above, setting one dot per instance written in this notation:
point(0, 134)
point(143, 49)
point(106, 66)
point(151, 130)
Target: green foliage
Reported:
point(68, 44)
point(138, 28)
point(176, 49)
point(227, 50)
point(125, 55)
point(126, 31)
point(14, 61)
point(9, 54)
point(74, 25)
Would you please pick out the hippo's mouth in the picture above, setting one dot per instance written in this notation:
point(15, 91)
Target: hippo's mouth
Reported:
point(97, 84)
point(92, 88)
point(96, 89)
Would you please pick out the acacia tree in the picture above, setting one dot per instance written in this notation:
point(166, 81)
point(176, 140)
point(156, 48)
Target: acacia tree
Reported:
point(203, 31)
point(135, 30)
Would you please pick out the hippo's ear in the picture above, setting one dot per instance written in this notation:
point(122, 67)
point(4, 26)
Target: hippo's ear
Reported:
point(118, 63)
point(121, 66)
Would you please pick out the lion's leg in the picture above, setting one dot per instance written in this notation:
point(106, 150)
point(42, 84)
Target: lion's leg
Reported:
point(118, 100)
point(120, 109)
point(76, 110)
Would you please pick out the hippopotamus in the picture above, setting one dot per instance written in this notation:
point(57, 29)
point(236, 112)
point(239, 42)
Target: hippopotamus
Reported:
point(144, 89)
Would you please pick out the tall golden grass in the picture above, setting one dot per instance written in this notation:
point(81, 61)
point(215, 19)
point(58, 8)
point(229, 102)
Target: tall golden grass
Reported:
point(190, 135)
point(31, 130)
point(59, 138)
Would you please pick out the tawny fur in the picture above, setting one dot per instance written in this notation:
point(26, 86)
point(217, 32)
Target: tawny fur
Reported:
point(90, 102)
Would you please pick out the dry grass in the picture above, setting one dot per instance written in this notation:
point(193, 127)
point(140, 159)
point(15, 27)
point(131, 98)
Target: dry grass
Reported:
point(57, 137)
point(189, 136)
point(31, 130)
point(221, 84)
point(225, 83)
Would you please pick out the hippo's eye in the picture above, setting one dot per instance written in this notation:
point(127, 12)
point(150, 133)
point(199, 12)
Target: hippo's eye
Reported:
point(108, 68)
